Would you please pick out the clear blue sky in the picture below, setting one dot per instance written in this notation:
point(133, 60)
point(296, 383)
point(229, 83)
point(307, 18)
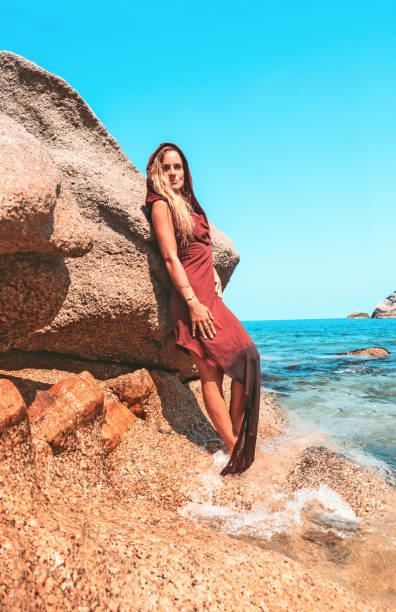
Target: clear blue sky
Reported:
point(285, 110)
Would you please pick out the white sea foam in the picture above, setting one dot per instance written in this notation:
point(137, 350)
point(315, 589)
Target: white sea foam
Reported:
point(264, 523)
point(269, 390)
point(211, 480)
point(220, 459)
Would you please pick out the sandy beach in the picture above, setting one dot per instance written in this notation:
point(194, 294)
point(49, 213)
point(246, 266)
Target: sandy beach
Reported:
point(87, 530)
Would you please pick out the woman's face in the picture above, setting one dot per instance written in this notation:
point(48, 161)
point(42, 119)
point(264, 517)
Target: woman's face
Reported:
point(172, 167)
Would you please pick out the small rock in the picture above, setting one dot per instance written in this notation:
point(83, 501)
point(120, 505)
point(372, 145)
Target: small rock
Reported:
point(64, 408)
point(358, 315)
point(373, 351)
point(133, 389)
point(117, 419)
point(12, 406)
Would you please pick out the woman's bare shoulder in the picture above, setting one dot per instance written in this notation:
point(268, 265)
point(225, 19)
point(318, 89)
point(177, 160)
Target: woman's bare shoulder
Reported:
point(160, 208)
point(159, 203)
point(161, 215)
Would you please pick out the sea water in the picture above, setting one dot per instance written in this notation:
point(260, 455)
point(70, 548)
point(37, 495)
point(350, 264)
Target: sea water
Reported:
point(352, 400)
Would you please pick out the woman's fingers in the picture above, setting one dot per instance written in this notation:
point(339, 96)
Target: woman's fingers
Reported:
point(205, 326)
point(202, 329)
point(212, 328)
point(209, 329)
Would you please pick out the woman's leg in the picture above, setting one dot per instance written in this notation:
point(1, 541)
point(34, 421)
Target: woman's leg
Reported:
point(211, 381)
point(237, 405)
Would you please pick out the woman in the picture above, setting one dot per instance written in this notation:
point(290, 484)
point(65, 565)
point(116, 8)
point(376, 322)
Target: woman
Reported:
point(204, 327)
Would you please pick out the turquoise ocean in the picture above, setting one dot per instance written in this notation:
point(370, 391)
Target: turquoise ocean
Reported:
point(351, 400)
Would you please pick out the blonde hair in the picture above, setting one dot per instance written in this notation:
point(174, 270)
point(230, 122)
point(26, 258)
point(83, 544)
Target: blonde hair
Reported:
point(179, 203)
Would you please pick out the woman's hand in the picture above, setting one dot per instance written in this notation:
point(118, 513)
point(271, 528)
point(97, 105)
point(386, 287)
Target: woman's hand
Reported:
point(201, 318)
point(218, 288)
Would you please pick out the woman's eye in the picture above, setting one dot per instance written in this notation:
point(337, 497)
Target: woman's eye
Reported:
point(178, 166)
point(165, 168)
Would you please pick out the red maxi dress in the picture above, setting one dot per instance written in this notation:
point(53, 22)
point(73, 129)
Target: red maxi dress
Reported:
point(231, 349)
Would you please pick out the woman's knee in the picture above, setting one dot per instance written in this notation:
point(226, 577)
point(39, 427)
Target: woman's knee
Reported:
point(207, 372)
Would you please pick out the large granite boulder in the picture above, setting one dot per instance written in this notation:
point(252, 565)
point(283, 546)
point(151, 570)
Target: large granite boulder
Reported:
point(116, 304)
point(39, 224)
point(33, 288)
point(37, 213)
point(386, 309)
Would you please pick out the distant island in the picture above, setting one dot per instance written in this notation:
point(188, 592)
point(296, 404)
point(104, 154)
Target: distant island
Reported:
point(384, 310)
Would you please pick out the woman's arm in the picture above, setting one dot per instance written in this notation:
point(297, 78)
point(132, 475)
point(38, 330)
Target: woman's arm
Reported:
point(200, 315)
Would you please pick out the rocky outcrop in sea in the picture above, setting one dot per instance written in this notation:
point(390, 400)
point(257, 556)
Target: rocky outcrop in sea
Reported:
point(358, 315)
point(110, 494)
point(371, 351)
point(386, 309)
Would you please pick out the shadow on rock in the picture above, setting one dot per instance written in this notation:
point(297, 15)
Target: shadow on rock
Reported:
point(181, 410)
point(32, 291)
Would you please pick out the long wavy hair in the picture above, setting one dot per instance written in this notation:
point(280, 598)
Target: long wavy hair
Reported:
point(179, 203)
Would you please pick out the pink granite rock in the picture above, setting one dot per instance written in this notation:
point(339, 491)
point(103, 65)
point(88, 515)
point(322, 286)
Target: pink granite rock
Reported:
point(37, 213)
point(39, 221)
point(386, 309)
point(65, 407)
point(372, 351)
point(133, 390)
point(33, 288)
point(12, 406)
point(117, 419)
